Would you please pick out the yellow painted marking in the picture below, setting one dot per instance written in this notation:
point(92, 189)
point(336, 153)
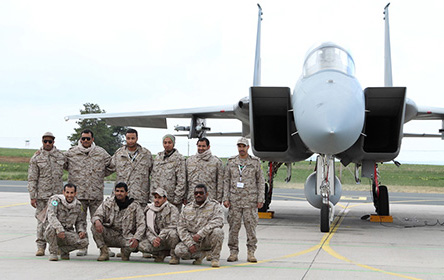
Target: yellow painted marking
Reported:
point(324, 244)
point(12, 205)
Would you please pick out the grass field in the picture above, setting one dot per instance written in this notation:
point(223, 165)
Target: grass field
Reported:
point(14, 166)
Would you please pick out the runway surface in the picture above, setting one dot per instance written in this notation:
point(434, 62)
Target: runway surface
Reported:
point(290, 245)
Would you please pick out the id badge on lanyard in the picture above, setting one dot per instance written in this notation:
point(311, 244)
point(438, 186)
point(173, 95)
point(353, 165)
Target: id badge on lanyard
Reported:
point(240, 185)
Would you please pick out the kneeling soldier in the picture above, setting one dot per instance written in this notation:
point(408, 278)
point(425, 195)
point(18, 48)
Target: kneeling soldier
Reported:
point(64, 212)
point(200, 228)
point(118, 222)
point(161, 233)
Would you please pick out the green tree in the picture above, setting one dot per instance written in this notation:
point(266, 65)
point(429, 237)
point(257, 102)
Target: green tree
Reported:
point(106, 136)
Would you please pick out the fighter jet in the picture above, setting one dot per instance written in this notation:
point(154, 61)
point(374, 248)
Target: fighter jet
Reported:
point(328, 114)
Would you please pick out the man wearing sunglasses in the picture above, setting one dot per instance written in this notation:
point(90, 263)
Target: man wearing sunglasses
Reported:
point(88, 165)
point(44, 180)
point(200, 229)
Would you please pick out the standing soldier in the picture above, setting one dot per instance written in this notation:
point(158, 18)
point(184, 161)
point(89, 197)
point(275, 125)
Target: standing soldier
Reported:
point(133, 166)
point(87, 166)
point(204, 168)
point(169, 172)
point(118, 222)
point(244, 194)
point(65, 213)
point(200, 228)
point(44, 180)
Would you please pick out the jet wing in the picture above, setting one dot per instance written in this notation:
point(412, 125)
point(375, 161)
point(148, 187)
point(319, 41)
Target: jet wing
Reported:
point(429, 113)
point(157, 119)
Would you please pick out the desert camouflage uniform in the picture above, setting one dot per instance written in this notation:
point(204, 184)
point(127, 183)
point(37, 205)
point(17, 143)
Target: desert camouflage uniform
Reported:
point(135, 172)
point(119, 226)
point(169, 174)
point(63, 218)
point(87, 169)
point(243, 200)
point(44, 180)
point(205, 220)
point(165, 226)
point(208, 170)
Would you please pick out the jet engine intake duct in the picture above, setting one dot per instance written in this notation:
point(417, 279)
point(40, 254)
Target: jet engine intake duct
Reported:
point(314, 198)
point(272, 123)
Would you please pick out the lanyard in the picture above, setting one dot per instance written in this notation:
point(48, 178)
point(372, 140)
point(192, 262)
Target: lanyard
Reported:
point(241, 168)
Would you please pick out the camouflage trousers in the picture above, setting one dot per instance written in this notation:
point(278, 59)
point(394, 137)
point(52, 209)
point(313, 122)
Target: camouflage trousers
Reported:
point(212, 243)
point(92, 205)
point(167, 244)
point(250, 218)
point(71, 242)
point(41, 205)
point(110, 238)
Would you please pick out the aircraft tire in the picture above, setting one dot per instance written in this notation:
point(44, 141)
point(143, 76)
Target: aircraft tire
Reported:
point(383, 202)
point(325, 218)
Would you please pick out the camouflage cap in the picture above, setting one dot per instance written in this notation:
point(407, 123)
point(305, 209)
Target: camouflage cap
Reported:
point(160, 192)
point(48, 134)
point(243, 140)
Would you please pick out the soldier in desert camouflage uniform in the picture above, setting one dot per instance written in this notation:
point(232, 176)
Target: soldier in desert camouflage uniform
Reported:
point(44, 180)
point(200, 229)
point(87, 166)
point(169, 172)
point(161, 232)
point(204, 168)
point(133, 166)
point(63, 214)
point(118, 222)
point(244, 194)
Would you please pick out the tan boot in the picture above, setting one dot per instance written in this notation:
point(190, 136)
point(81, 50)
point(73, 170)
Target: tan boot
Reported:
point(215, 263)
point(125, 254)
point(104, 254)
point(199, 259)
point(53, 257)
point(174, 260)
point(159, 257)
point(40, 252)
point(251, 257)
point(232, 257)
point(64, 256)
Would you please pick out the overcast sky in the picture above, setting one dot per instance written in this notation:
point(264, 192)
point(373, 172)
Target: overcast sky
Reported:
point(150, 55)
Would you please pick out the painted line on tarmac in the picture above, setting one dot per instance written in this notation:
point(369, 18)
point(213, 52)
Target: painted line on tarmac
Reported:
point(12, 205)
point(287, 196)
point(359, 198)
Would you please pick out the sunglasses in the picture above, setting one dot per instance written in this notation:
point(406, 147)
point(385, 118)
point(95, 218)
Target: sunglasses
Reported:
point(197, 193)
point(86, 138)
point(48, 141)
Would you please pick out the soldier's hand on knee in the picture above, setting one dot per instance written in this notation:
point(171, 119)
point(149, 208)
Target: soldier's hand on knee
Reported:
point(156, 242)
point(61, 235)
point(227, 204)
point(196, 237)
point(192, 249)
point(98, 225)
point(133, 243)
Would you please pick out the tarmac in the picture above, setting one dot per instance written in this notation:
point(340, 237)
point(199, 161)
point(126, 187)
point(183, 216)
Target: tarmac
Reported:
point(290, 246)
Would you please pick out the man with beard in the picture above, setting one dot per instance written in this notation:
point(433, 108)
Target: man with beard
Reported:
point(44, 180)
point(133, 166)
point(87, 166)
point(118, 222)
point(169, 172)
point(204, 168)
point(63, 214)
point(244, 194)
point(200, 229)
point(161, 233)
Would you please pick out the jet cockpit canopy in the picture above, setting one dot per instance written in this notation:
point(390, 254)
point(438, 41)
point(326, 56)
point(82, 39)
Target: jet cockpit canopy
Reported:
point(328, 56)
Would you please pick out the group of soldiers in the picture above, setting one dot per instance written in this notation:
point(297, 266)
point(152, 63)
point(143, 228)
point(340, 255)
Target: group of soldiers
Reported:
point(162, 206)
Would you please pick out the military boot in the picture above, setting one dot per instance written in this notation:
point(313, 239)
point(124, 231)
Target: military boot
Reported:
point(232, 257)
point(53, 257)
point(125, 254)
point(215, 263)
point(200, 258)
point(159, 257)
point(40, 252)
point(82, 252)
point(251, 257)
point(64, 256)
point(174, 259)
point(104, 254)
